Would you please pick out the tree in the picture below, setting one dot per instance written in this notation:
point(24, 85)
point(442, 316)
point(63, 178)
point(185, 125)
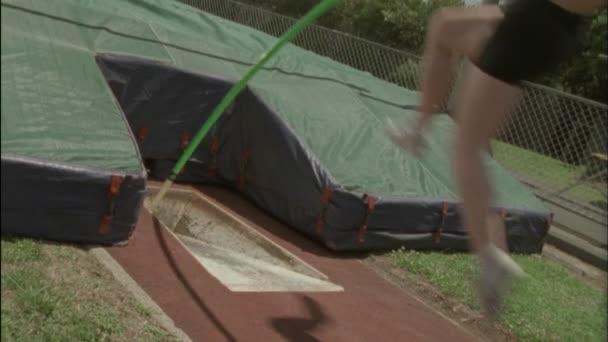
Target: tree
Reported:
point(587, 75)
point(402, 24)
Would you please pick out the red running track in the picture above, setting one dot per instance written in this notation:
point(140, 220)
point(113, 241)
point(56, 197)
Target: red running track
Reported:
point(369, 309)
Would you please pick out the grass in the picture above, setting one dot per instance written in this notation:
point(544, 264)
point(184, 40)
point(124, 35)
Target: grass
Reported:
point(546, 170)
point(549, 305)
point(60, 293)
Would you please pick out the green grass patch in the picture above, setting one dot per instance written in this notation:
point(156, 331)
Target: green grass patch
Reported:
point(551, 304)
point(545, 170)
point(60, 293)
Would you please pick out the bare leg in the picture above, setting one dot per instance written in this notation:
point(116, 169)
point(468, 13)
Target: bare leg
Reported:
point(452, 32)
point(482, 104)
point(497, 231)
point(462, 31)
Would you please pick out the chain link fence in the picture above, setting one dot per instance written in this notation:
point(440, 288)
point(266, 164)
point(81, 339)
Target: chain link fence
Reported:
point(554, 142)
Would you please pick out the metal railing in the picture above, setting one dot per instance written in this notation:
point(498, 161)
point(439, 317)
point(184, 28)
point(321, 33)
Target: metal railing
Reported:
point(554, 142)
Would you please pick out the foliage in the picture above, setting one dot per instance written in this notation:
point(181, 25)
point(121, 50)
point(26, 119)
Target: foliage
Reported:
point(551, 304)
point(402, 24)
point(53, 292)
point(586, 75)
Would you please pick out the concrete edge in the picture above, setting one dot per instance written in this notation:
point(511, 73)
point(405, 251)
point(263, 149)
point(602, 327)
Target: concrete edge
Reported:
point(593, 230)
point(577, 247)
point(588, 273)
point(140, 295)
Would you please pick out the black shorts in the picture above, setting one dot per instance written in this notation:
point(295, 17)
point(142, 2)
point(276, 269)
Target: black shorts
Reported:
point(534, 37)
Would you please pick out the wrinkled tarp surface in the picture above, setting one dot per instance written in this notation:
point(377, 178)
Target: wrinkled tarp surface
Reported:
point(305, 141)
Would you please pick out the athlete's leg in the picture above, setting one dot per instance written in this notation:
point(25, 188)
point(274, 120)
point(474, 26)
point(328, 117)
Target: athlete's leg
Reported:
point(483, 102)
point(451, 32)
point(461, 31)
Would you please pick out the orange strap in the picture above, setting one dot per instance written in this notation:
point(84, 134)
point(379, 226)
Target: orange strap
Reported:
point(142, 134)
point(371, 205)
point(549, 221)
point(439, 230)
point(104, 224)
point(503, 214)
point(113, 190)
point(242, 178)
point(215, 145)
point(325, 198)
point(184, 141)
point(115, 183)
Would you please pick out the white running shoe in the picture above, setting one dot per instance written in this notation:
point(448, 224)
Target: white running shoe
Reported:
point(397, 134)
point(408, 140)
point(498, 270)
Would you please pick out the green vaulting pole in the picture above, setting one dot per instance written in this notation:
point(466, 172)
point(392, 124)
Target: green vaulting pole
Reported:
point(304, 22)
